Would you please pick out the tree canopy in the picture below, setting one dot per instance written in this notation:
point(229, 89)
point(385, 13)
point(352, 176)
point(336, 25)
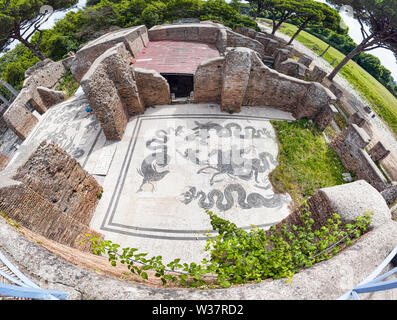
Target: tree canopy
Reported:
point(315, 14)
point(20, 19)
point(378, 21)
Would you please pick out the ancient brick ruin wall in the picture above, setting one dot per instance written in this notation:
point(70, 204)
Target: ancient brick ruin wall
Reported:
point(44, 75)
point(208, 81)
point(51, 195)
point(152, 87)
point(134, 39)
point(32, 211)
point(60, 179)
point(242, 74)
point(235, 39)
point(269, 42)
point(111, 89)
point(349, 201)
point(3, 161)
point(378, 152)
point(390, 194)
point(211, 33)
point(350, 145)
point(236, 73)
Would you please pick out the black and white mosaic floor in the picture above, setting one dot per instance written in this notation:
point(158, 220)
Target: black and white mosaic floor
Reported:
point(175, 161)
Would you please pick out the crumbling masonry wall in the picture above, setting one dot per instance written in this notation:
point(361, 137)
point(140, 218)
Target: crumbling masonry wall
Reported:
point(349, 201)
point(51, 195)
point(37, 93)
point(134, 39)
point(350, 145)
point(241, 79)
point(111, 89)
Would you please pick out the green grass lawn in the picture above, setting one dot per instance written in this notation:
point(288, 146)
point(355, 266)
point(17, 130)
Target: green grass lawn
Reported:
point(306, 161)
point(382, 101)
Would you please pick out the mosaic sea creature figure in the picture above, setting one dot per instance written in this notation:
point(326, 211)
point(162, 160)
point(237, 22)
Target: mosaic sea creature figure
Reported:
point(252, 200)
point(243, 168)
point(160, 158)
point(230, 129)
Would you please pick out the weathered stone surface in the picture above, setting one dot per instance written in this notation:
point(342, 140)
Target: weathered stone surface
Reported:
point(152, 87)
point(237, 40)
point(317, 74)
point(317, 103)
point(198, 32)
point(18, 118)
point(67, 62)
point(134, 39)
point(50, 194)
point(354, 199)
point(60, 179)
point(390, 193)
point(293, 68)
point(349, 145)
point(111, 89)
point(305, 60)
point(357, 118)
point(50, 97)
point(336, 90)
point(45, 73)
point(378, 152)
point(236, 74)
point(208, 81)
point(271, 47)
point(267, 87)
point(3, 161)
point(280, 56)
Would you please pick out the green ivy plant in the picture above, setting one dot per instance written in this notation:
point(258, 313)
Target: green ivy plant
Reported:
point(238, 256)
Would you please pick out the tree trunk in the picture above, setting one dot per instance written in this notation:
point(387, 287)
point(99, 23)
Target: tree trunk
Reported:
point(346, 59)
point(276, 27)
point(32, 48)
point(302, 26)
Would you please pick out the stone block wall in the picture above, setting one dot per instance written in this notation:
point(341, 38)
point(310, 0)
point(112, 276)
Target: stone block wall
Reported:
point(208, 81)
point(241, 78)
point(50, 194)
point(206, 32)
point(153, 88)
point(349, 145)
point(19, 118)
point(390, 193)
point(60, 179)
point(235, 39)
point(270, 43)
point(134, 39)
point(236, 73)
point(292, 68)
point(357, 118)
point(349, 200)
point(379, 151)
point(317, 74)
point(37, 92)
point(3, 161)
point(111, 89)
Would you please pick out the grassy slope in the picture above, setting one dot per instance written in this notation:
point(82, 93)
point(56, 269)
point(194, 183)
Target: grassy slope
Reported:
point(383, 102)
point(306, 161)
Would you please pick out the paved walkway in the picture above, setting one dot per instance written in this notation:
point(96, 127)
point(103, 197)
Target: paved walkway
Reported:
point(175, 161)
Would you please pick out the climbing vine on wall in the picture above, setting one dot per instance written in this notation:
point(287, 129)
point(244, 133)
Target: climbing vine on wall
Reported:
point(238, 256)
